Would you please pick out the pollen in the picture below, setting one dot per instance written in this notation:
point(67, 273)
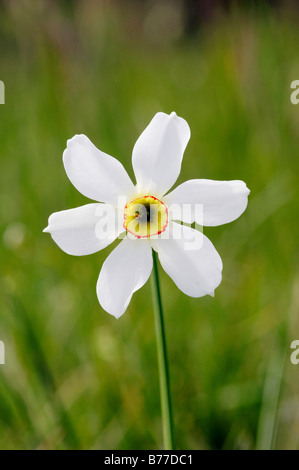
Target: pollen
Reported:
point(145, 216)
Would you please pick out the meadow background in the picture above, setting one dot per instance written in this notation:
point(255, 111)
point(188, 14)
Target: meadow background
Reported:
point(76, 378)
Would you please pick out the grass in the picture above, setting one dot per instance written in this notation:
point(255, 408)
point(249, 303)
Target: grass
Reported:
point(74, 376)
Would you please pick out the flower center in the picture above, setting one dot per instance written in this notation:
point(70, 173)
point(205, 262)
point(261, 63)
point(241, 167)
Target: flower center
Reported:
point(145, 216)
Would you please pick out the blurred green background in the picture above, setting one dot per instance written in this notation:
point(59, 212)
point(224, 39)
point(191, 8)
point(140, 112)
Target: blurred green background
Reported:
point(76, 378)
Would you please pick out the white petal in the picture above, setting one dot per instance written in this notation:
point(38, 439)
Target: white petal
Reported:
point(158, 153)
point(84, 230)
point(126, 270)
point(208, 202)
point(190, 259)
point(95, 174)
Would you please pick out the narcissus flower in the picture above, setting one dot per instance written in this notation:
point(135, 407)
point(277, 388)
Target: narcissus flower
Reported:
point(146, 216)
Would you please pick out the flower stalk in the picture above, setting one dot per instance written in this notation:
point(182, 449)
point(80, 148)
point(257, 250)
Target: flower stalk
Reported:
point(167, 421)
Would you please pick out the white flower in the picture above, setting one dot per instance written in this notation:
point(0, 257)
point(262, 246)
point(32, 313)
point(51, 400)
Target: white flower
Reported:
point(145, 215)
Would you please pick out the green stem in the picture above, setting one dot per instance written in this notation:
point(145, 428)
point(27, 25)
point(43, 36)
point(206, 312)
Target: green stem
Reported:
point(162, 359)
